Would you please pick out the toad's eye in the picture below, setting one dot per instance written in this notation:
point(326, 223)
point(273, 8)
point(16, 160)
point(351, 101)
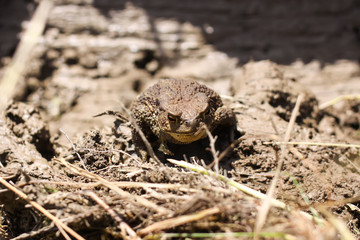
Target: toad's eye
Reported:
point(172, 118)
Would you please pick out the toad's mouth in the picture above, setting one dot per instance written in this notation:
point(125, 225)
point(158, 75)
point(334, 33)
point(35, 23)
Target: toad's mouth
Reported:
point(188, 137)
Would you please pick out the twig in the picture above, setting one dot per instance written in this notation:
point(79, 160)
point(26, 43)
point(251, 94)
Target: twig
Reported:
point(177, 221)
point(74, 148)
point(265, 206)
point(137, 159)
point(338, 224)
point(123, 184)
point(28, 41)
point(338, 99)
point(353, 164)
point(62, 231)
point(220, 235)
point(213, 150)
point(135, 199)
point(33, 234)
point(239, 186)
point(228, 181)
point(41, 209)
point(225, 152)
point(123, 226)
point(118, 115)
point(343, 145)
point(150, 193)
point(337, 203)
point(142, 135)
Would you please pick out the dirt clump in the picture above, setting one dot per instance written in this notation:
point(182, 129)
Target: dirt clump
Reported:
point(89, 62)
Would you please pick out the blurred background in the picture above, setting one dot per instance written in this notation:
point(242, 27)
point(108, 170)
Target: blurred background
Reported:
point(280, 30)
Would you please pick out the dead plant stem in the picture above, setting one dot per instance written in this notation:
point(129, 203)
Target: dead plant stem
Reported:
point(16, 68)
point(41, 209)
point(142, 135)
point(126, 230)
point(135, 199)
point(177, 221)
point(74, 148)
point(266, 204)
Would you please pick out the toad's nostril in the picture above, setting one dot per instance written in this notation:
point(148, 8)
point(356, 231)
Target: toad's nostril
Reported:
point(192, 124)
point(188, 123)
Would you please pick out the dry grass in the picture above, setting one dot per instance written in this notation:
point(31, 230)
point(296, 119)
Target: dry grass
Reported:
point(338, 99)
point(166, 219)
point(16, 68)
point(135, 199)
point(266, 204)
point(61, 226)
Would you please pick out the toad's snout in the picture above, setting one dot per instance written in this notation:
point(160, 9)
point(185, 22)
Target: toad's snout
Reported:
point(190, 123)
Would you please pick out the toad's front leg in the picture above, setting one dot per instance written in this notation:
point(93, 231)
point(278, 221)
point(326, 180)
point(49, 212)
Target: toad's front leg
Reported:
point(165, 149)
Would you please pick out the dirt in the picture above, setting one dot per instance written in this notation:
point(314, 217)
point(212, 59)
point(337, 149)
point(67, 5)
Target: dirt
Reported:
point(92, 63)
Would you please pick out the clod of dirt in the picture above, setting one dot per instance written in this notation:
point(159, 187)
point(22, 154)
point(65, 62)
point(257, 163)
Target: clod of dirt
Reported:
point(348, 116)
point(265, 100)
point(25, 122)
point(25, 142)
point(266, 84)
point(94, 54)
point(96, 152)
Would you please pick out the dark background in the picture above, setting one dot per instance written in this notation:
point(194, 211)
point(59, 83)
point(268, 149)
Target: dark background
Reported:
point(280, 30)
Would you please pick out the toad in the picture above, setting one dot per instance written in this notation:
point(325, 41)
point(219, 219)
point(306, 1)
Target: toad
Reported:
point(177, 111)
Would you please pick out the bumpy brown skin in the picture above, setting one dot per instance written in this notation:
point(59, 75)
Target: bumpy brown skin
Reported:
point(176, 111)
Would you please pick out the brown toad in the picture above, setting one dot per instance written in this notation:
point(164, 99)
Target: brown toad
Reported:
point(177, 111)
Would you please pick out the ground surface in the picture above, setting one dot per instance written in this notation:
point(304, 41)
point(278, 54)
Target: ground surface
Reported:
point(93, 62)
